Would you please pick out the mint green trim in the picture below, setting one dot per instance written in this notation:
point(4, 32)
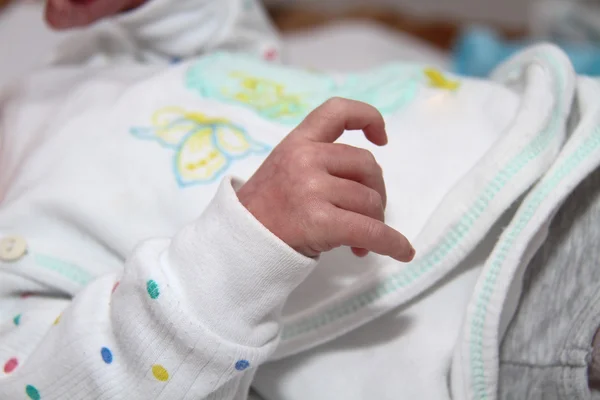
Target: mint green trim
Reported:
point(456, 234)
point(286, 95)
point(68, 270)
point(530, 207)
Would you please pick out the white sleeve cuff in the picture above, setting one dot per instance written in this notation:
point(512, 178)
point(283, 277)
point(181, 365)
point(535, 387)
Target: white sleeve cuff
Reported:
point(237, 273)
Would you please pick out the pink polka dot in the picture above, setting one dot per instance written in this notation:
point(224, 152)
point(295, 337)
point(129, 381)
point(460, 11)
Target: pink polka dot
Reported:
point(25, 295)
point(115, 286)
point(271, 54)
point(10, 365)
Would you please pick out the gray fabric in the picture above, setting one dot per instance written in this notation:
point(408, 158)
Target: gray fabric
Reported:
point(548, 346)
point(253, 395)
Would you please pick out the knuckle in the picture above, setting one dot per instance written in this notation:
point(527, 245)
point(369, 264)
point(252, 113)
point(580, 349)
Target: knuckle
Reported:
point(335, 105)
point(305, 160)
point(318, 216)
point(303, 156)
point(374, 230)
point(375, 200)
point(313, 184)
point(369, 157)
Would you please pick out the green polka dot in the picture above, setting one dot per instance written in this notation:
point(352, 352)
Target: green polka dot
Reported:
point(152, 288)
point(17, 319)
point(32, 392)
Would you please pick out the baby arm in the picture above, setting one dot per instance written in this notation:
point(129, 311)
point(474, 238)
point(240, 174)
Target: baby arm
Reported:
point(160, 30)
point(193, 316)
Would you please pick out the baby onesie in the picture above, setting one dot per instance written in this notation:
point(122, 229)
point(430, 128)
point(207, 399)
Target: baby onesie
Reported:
point(129, 269)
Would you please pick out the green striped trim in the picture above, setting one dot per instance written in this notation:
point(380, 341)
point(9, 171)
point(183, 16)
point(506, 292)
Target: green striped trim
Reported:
point(538, 196)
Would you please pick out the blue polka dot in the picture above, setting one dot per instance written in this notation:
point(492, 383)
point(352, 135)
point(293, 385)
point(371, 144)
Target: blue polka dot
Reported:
point(17, 319)
point(152, 288)
point(175, 60)
point(242, 365)
point(106, 355)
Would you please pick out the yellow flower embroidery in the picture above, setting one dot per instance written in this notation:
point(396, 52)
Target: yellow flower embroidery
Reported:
point(204, 146)
point(266, 96)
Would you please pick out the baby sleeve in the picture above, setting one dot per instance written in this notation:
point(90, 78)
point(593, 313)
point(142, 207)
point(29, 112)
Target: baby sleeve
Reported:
point(162, 31)
point(192, 317)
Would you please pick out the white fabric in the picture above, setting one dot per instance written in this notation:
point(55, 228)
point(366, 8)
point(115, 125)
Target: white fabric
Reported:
point(98, 163)
point(332, 47)
point(414, 344)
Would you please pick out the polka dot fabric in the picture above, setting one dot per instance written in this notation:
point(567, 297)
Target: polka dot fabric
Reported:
point(154, 335)
point(106, 354)
point(160, 372)
point(32, 392)
point(271, 54)
point(152, 289)
point(242, 365)
point(11, 365)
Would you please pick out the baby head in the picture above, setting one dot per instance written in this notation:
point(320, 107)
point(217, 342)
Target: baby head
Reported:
point(65, 14)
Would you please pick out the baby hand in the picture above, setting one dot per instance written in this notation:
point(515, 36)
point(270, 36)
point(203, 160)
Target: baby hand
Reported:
point(64, 14)
point(317, 195)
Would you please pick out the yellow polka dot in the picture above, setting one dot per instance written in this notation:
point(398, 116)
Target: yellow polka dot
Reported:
point(57, 320)
point(160, 372)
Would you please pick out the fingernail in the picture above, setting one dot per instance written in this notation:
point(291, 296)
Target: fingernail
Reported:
point(411, 253)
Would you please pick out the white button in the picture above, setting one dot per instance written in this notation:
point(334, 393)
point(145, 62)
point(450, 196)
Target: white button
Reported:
point(12, 248)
